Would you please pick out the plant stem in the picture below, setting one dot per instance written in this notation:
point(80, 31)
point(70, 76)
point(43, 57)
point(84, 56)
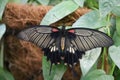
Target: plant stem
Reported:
point(1, 53)
point(113, 68)
point(108, 26)
point(103, 58)
point(108, 32)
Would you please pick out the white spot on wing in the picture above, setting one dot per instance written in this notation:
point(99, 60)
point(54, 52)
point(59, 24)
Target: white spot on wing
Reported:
point(54, 48)
point(73, 51)
point(70, 49)
point(51, 49)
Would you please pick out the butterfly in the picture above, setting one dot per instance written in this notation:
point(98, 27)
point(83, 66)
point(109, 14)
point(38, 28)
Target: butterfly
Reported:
point(65, 45)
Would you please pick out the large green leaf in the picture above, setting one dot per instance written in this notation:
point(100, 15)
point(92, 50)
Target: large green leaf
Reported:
point(116, 11)
point(5, 75)
point(89, 59)
point(59, 11)
point(115, 55)
point(80, 2)
point(106, 6)
point(97, 75)
point(56, 72)
point(116, 39)
point(90, 20)
point(44, 2)
point(116, 8)
point(2, 30)
point(2, 7)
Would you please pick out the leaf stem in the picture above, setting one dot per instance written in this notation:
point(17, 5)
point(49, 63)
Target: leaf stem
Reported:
point(1, 53)
point(113, 68)
point(108, 32)
point(103, 58)
point(108, 26)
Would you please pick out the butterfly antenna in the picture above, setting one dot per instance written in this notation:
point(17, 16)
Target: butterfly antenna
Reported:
point(50, 69)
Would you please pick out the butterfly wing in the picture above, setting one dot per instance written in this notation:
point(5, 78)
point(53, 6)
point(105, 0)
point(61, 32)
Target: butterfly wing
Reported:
point(86, 39)
point(79, 40)
point(46, 37)
point(40, 35)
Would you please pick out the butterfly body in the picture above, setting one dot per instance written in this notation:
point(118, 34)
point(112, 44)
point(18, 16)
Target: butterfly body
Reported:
point(58, 51)
point(67, 45)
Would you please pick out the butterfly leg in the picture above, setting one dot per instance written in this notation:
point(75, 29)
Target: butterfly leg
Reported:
point(50, 68)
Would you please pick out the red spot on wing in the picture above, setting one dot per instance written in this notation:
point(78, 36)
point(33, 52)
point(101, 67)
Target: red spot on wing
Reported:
point(54, 30)
point(71, 31)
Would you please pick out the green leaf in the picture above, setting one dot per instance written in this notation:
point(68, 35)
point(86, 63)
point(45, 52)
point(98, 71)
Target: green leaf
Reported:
point(18, 1)
point(103, 29)
point(117, 74)
point(59, 11)
point(2, 7)
point(116, 39)
point(54, 2)
point(15, 1)
point(89, 59)
point(113, 25)
point(116, 11)
point(92, 4)
point(2, 30)
point(115, 55)
point(118, 25)
point(94, 72)
point(2, 78)
point(23, 1)
point(106, 6)
point(56, 72)
point(5, 75)
point(91, 19)
point(97, 75)
point(44, 2)
point(116, 8)
point(80, 2)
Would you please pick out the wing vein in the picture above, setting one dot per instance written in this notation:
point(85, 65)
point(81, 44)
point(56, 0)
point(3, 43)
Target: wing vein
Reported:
point(82, 43)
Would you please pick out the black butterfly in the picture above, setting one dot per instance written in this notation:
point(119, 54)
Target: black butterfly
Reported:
point(67, 45)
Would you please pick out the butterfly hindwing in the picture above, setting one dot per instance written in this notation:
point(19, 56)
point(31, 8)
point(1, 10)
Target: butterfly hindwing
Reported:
point(87, 39)
point(72, 54)
point(79, 40)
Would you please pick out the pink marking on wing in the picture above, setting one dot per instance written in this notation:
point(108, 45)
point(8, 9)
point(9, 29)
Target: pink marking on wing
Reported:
point(71, 31)
point(54, 30)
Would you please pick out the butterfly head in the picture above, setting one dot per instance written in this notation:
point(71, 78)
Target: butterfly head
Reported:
point(63, 27)
point(63, 31)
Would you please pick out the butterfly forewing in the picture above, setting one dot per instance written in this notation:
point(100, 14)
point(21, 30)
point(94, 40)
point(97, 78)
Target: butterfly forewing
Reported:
point(40, 35)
